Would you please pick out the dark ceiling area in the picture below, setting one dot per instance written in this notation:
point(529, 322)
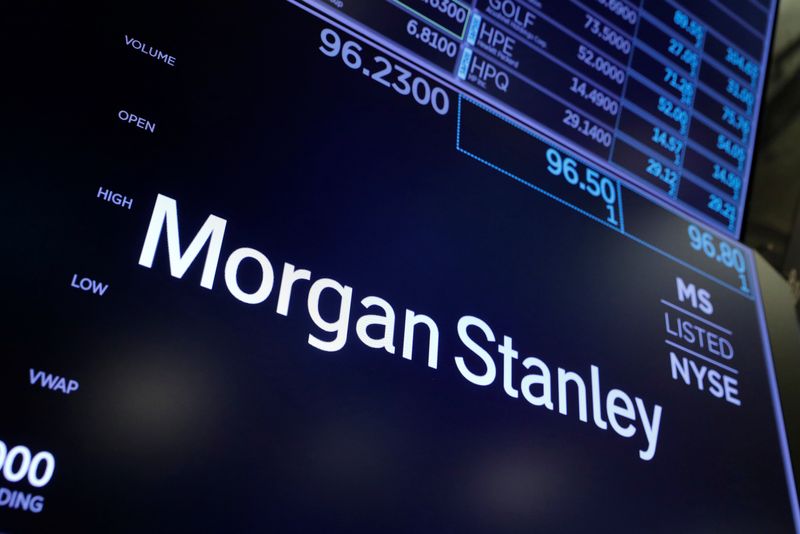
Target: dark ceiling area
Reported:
point(772, 225)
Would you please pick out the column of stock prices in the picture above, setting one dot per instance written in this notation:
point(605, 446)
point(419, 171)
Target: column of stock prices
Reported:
point(661, 93)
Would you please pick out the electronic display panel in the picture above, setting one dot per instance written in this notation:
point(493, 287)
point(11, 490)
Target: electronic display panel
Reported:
point(663, 94)
point(270, 273)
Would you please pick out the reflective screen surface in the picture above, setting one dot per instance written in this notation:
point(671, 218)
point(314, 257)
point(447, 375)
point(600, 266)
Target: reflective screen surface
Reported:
point(367, 267)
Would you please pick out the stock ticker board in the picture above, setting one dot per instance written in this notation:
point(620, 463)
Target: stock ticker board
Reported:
point(664, 95)
point(387, 266)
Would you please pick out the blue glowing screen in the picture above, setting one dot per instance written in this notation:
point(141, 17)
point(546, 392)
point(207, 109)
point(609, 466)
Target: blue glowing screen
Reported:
point(386, 266)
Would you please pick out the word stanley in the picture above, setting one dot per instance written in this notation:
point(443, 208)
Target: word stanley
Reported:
point(538, 386)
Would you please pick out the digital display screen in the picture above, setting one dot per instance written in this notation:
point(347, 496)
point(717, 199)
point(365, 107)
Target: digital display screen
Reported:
point(279, 266)
point(663, 94)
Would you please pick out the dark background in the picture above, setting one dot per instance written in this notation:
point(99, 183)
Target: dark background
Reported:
point(199, 413)
point(772, 220)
